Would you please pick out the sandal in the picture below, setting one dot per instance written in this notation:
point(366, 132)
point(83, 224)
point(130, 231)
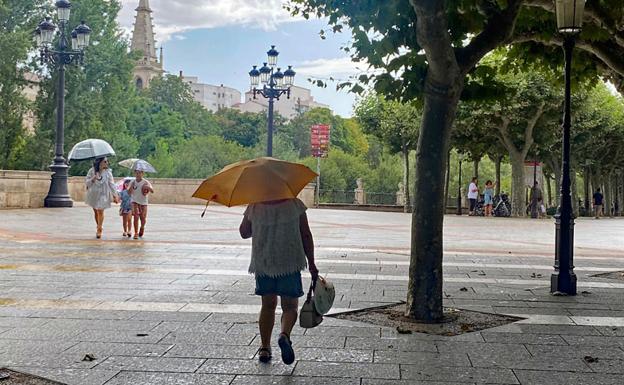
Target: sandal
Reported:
point(288, 354)
point(264, 355)
point(136, 236)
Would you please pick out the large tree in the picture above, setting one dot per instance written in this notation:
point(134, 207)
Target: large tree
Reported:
point(426, 48)
point(394, 123)
point(520, 119)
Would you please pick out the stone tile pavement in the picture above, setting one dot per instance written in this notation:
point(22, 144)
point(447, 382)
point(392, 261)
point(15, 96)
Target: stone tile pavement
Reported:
point(178, 307)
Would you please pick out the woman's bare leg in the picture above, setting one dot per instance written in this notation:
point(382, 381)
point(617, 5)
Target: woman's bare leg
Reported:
point(267, 319)
point(289, 314)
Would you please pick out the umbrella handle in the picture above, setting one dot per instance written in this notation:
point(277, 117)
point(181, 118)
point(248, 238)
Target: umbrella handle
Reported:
point(205, 208)
point(207, 203)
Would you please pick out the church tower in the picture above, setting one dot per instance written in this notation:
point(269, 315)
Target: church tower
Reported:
point(148, 66)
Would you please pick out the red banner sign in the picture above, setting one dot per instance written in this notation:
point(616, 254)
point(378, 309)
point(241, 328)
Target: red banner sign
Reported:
point(319, 140)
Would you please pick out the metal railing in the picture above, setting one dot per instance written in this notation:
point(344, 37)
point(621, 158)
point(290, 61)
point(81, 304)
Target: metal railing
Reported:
point(348, 197)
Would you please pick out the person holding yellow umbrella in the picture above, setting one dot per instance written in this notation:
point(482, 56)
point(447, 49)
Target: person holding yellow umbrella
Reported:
point(282, 243)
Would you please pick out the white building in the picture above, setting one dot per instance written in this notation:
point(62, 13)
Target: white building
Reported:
point(212, 97)
point(301, 100)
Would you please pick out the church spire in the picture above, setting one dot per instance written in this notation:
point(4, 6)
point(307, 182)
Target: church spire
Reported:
point(143, 34)
point(148, 66)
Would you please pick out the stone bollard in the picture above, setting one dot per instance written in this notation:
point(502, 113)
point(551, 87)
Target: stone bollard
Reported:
point(360, 195)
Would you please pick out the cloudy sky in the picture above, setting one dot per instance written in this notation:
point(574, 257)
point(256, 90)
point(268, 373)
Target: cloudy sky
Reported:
point(219, 41)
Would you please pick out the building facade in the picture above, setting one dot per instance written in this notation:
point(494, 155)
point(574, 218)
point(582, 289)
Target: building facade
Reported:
point(300, 101)
point(148, 66)
point(30, 92)
point(212, 97)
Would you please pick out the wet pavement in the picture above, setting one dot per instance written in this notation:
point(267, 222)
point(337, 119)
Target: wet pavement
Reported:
point(177, 307)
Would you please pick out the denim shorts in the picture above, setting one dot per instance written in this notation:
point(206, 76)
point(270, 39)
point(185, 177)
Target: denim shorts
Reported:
point(285, 286)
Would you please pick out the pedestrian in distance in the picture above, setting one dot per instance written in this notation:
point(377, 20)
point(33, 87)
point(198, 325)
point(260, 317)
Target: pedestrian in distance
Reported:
point(281, 243)
point(598, 202)
point(488, 197)
point(139, 190)
point(101, 191)
point(536, 199)
point(125, 209)
point(473, 195)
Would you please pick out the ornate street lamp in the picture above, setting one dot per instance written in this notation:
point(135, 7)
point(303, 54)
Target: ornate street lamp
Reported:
point(275, 83)
point(60, 56)
point(563, 279)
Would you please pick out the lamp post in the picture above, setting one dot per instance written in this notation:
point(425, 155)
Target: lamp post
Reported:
point(459, 188)
point(275, 83)
point(563, 279)
point(61, 55)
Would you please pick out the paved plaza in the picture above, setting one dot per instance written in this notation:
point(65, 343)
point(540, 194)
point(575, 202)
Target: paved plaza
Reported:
point(178, 307)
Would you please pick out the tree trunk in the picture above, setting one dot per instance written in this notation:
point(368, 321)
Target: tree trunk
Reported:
point(475, 164)
point(497, 166)
point(575, 196)
point(618, 194)
point(586, 203)
point(406, 194)
point(518, 188)
point(608, 197)
point(548, 189)
point(444, 82)
point(447, 184)
point(424, 294)
point(556, 168)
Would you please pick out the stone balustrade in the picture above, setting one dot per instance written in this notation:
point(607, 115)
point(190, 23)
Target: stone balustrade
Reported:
point(23, 189)
point(28, 189)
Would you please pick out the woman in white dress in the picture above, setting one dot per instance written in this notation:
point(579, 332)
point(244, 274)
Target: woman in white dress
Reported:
point(101, 191)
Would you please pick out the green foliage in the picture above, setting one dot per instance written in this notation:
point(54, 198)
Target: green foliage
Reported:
point(203, 156)
point(17, 20)
point(243, 128)
point(394, 123)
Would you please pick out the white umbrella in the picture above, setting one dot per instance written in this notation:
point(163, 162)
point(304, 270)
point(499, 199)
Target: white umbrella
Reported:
point(137, 165)
point(91, 149)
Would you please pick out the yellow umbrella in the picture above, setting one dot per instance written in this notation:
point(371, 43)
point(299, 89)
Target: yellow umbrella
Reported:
point(256, 180)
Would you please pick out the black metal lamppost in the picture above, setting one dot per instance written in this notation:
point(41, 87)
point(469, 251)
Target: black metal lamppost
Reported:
point(563, 279)
point(61, 55)
point(275, 83)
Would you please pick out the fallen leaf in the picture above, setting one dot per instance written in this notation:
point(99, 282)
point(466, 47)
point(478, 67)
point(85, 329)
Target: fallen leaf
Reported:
point(142, 335)
point(590, 359)
point(89, 357)
point(401, 330)
point(463, 289)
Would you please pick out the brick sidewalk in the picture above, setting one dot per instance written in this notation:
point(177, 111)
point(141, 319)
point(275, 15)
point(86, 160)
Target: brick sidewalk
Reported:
point(178, 307)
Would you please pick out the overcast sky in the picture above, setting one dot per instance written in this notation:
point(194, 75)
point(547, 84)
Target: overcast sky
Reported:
point(219, 41)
